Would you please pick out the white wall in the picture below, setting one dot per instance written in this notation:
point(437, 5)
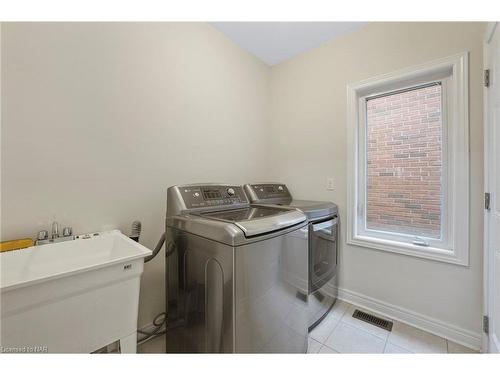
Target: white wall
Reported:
point(308, 122)
point(99, 119)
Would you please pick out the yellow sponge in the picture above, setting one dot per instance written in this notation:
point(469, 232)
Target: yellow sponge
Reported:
point(15, 244)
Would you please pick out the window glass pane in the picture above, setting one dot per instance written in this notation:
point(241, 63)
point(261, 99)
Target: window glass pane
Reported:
point(404, 162)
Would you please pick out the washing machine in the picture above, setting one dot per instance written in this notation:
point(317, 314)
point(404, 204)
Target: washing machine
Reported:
point(229, 284)
point(322, 240)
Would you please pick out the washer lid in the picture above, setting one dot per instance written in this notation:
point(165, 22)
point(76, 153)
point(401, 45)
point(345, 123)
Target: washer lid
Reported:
point(256, 220)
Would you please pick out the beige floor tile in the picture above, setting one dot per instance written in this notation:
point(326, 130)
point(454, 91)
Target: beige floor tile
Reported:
point(349, 339)
point(394, 349)
point(370, 328)
point(325, 328)
point(416, 340)
point(296, 318)
point(313, 346)
point(456, 348)
point(286, 340)
point(326, 350)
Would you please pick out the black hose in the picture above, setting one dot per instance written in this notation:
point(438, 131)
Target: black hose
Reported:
point(157, 331)
point(157, 324)
point(157, 248)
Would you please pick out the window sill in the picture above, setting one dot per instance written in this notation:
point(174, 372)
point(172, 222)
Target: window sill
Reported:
point(431, 253)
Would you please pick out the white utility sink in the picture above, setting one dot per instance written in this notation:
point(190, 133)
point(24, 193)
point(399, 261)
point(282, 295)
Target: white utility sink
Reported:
point(74, 296)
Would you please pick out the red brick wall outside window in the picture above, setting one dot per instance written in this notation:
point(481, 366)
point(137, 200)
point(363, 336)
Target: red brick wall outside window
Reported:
point(404, 162)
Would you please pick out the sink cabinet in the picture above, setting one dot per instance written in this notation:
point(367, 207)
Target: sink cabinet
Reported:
point(72, 297)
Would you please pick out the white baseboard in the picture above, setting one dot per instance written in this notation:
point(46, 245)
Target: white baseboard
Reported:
point(448, 331)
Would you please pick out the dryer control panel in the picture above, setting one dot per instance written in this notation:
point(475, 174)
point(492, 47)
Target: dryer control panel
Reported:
point(268, 193)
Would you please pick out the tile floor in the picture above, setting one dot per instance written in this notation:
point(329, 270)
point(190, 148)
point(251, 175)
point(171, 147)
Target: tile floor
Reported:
point(341, 333)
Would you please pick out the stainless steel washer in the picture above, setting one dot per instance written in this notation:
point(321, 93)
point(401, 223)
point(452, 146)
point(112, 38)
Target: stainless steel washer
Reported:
point(231, 273)
point(322, 235)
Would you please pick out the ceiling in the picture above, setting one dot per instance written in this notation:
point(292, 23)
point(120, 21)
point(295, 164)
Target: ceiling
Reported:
point(275, 42)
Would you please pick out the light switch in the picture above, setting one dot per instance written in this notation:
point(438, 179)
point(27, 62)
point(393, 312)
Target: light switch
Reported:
point(329, 183)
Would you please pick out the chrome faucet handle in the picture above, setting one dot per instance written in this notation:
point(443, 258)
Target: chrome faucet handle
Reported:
point(67, 231)
point(42, 235)
point(55, 230)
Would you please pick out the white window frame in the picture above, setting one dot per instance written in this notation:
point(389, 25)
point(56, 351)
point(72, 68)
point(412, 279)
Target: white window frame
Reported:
point(452, 72)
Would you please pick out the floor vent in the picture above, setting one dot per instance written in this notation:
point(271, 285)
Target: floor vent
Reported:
point(379, 322)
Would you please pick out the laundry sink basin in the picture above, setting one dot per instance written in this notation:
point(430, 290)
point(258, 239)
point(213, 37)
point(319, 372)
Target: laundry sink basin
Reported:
point(75, 296)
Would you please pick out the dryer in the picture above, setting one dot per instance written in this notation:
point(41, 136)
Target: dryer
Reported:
point(322, 240)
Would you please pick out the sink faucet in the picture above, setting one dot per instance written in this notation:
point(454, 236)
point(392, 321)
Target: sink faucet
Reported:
point(55, 230)
point(43, 235)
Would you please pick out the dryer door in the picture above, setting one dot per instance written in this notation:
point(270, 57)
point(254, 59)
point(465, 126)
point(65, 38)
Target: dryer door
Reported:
point(322, 253)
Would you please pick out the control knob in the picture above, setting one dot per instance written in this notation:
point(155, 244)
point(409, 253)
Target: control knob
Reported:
point(231, 192)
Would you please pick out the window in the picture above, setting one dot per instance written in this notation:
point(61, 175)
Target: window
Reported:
point(408, 161)
point(404, 162)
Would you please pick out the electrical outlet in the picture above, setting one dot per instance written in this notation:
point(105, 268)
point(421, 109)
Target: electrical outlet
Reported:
point(329, 183)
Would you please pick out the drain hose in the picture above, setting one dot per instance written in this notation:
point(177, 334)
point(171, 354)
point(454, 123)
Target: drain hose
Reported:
point(157, 248)
point(160, 320)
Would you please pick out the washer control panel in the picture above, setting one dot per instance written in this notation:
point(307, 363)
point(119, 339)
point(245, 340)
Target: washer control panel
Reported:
point(200, 196)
